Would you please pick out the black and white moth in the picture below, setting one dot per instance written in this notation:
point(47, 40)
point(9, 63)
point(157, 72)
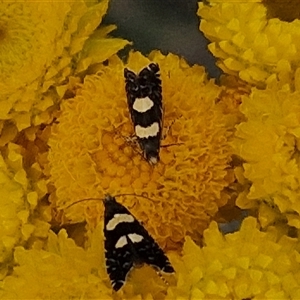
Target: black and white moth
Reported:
point(144, 98)
point(128, 244)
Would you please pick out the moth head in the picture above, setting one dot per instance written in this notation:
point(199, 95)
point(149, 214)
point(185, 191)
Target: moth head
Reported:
point(108, 198)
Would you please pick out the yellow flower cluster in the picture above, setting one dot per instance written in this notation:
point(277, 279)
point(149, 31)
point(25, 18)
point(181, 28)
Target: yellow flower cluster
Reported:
point(269, 143)
point(61, 271)
point(64, 271)
point(248, 44)
point(89, 155)
point(38, 60)
point(207, 160)
point(248, 264)
point(19, 222)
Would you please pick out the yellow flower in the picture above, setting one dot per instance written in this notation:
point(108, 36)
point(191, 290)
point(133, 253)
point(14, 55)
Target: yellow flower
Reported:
point(248, 44)
point(64, 270)
point(269, 144)
point(19, 221)
point(61, 271)
point(89, 155)
point(37, 60)
point(243, 265)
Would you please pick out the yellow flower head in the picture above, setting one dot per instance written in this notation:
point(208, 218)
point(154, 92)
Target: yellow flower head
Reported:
point(248, 44)
point(37, 59)
point(63, 270)
point(243, 265)
point(269, 143)
point(89, 155)
point(18, 222)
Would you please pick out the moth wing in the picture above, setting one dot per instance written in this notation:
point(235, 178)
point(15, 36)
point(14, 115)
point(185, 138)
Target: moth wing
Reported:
point(149, 252)
point(118, 264)
point(127, 244)
point(131, 87)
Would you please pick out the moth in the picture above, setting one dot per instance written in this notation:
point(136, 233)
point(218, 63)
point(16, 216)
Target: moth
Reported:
point(144, 99)
point(128, 244)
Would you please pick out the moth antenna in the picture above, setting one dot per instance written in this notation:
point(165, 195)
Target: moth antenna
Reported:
point(83, 200)
point(98, 198)
point(135, 195)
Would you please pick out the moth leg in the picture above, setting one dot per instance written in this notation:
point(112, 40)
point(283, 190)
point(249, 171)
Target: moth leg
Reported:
point(166, 131)
point(136, 149)
point(169, 145)
point(128, 139)
point(131, 139)
point(165, 134)
point(133, 142)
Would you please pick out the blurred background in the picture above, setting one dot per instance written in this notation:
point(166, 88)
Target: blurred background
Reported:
point(167, 25)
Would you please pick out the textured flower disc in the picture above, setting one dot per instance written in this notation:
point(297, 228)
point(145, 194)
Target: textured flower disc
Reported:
point(248, 44)
point(90, 155)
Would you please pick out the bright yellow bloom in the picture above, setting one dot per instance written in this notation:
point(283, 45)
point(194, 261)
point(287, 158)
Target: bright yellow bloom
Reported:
point(248, 44)
point(269, 143)
point(89, 155)
point(243, 265)
point(64, 271)
point(37, 60)
point(19, 219)
point(246, 264)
